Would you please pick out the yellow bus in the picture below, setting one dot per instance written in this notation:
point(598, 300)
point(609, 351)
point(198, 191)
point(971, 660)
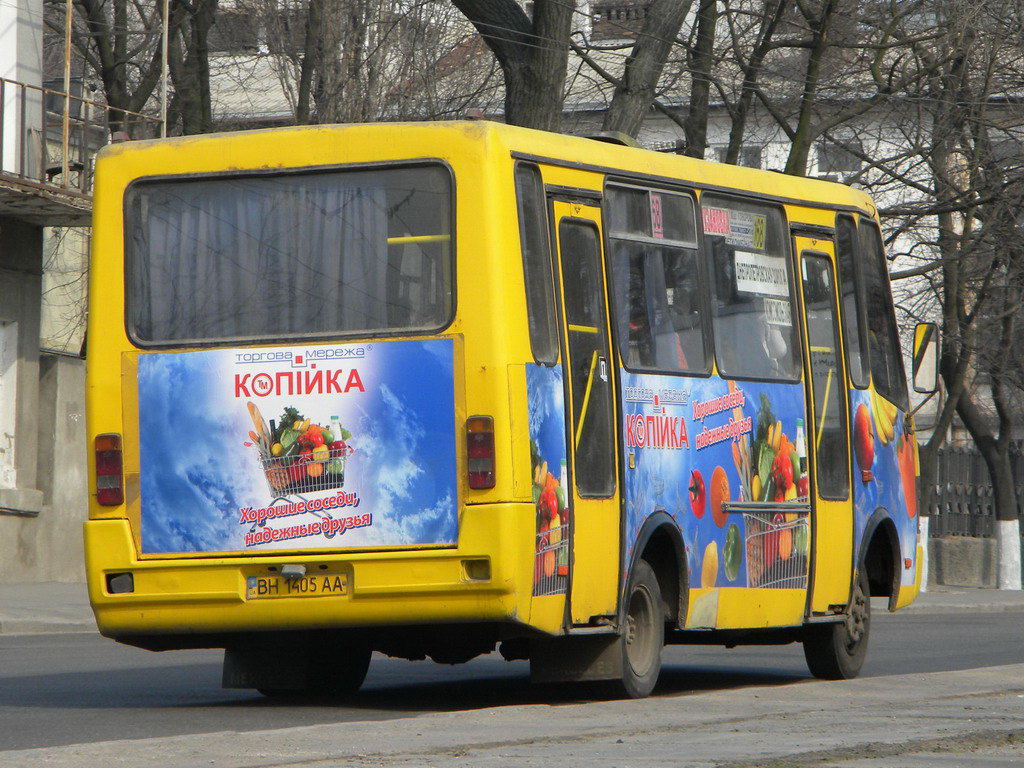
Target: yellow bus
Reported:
point(435, 389)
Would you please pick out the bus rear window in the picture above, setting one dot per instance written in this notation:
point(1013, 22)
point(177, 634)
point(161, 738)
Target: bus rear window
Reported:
point(290, 255)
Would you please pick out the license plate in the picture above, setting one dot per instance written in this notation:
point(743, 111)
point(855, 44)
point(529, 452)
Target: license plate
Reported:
point(314, 585)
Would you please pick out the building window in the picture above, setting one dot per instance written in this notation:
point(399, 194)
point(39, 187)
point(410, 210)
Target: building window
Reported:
point(233, 32)
point(749, 157)
point(839, 159)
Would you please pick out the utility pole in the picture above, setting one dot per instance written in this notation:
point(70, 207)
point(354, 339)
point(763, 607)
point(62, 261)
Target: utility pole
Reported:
point(66, 123)
point(163, 69)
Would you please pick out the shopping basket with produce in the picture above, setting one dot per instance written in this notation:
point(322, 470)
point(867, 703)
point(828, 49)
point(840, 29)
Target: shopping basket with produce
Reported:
point(551, 562)
point(776, 547)
point(298, 456)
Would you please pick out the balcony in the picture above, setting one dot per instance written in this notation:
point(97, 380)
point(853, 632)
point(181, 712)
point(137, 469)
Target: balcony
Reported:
point(48, 140)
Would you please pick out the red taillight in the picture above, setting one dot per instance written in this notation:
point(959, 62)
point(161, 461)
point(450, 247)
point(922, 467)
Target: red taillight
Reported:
point(480, 451)
point(109, 485)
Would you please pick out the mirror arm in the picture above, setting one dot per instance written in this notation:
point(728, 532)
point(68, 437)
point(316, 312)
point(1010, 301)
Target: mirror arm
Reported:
point(922, 404)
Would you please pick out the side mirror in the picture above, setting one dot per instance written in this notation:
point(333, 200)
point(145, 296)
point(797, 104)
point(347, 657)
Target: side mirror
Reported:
point(926, 358)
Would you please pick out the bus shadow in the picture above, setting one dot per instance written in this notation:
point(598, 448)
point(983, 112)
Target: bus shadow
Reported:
point(391, 688)
point(514, 688)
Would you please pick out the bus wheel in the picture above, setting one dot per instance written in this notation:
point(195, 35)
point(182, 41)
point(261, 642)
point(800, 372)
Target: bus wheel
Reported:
point(837, 651)
point(343, 675)
point(643, 634)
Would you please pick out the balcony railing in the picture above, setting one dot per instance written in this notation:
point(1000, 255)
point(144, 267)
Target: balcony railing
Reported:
point(48, 138)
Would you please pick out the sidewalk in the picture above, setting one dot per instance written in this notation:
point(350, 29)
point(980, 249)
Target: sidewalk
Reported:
point(54, 607)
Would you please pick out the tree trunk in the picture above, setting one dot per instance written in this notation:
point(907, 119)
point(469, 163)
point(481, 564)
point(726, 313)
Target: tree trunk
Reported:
point(803, 140)
point(327, 91)
point(311, 43)
point(773, 11)
point(701, 60)
point(533, 55)
point(635, 91)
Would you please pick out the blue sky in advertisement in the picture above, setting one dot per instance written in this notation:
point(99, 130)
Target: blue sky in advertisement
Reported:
point(207, 485)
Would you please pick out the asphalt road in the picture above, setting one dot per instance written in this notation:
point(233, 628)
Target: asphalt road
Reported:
point(73, 688)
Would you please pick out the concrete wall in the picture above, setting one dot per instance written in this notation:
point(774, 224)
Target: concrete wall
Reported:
point(48, 546)
point(962, 561)
point(43, 501)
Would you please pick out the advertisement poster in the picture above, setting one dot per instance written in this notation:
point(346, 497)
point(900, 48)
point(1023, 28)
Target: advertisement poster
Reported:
point(695, 445)
point(884, 471)
point(552, 495)
point(298, 448)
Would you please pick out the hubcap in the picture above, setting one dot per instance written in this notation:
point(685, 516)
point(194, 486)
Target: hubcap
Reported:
point(640, 635)
point(856, 624)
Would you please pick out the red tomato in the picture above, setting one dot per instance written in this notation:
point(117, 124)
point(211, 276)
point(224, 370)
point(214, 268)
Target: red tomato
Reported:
point(698, 494)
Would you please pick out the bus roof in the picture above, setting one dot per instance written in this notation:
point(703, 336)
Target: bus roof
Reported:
point(542, 146)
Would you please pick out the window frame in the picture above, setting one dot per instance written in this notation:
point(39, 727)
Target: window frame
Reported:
point(548, 263)
point(129, 263)
point(702, 275)
point(859, 302)
point(902, 397)
point(799, 362)
point(843, 400)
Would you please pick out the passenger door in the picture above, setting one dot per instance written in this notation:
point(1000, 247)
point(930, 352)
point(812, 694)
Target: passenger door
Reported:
point(589, 382)
point(828, 430)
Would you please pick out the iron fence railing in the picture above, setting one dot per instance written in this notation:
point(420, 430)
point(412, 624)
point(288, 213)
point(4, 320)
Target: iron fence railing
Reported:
point(963, 503)
point(48, 138)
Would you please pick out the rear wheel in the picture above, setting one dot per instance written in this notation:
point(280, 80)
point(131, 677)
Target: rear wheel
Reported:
point(643, 634)
point(837, 651)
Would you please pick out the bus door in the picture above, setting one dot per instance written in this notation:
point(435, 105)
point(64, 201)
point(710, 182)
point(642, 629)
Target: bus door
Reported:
point(590, 427)
point(828, 433)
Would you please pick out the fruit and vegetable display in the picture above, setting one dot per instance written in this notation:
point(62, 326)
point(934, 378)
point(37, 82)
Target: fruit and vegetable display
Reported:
point(778, 467)
point(864, 442)
point(905, 455)
point(551, 562)
point(772, 467)
point(299, 455)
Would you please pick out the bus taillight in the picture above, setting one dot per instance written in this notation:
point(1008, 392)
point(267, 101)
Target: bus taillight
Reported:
point(480, 451)
point(109, 474)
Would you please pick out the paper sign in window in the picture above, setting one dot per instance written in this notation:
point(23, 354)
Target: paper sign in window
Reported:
point(657, 223)
point(761, 274)
point(716, 221)
point(776, 312)
point(746, 229)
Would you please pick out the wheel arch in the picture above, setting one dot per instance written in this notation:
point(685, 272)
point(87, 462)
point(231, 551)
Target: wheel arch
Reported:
point(660, 543)
point(880, 556)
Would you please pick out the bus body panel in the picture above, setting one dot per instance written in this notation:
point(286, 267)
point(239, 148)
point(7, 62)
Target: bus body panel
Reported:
point(495, 374)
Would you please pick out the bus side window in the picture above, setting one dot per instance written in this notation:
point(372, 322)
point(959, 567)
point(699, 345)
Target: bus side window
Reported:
point(829, 441)
point(883, 339)
point(751, 289)
point(533, 234)
point(656, 280)
point(852, 297)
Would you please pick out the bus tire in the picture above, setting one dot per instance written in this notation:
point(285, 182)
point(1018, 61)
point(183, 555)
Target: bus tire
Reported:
point(643, 633)
point(341, 677)
point(837, 651)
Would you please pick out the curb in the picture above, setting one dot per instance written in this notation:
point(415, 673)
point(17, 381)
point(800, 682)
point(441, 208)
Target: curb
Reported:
point(45, 626)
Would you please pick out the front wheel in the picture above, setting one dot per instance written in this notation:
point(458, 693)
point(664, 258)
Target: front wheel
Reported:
point(643, 635)
point(837, 651)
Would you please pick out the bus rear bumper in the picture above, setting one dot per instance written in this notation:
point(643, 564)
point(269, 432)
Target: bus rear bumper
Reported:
point(486, 578)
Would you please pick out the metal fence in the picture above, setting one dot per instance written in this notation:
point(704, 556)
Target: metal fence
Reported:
point(963, 503)
point(48, 138)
